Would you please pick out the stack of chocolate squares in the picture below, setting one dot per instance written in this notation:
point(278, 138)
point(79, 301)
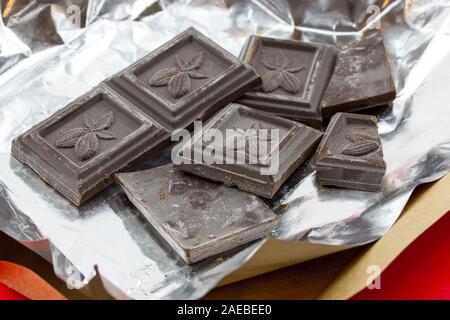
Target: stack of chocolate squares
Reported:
point(265, 110)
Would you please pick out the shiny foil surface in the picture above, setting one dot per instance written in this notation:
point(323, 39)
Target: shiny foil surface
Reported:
point(53, 51)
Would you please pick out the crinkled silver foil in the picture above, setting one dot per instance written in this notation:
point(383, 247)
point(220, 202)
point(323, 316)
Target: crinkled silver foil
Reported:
point(46, 60)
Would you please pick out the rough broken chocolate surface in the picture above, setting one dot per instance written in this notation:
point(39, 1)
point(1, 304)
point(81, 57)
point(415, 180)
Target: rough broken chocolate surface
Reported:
point(130, 116)
point(295, 143)
point(362, 78)
point(197, 217)
point(294, 77)
point(350, 154)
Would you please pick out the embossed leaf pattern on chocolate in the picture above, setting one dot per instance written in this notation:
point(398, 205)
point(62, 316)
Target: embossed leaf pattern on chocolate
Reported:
point(162, 77)
point(178, 78)
point(361, 135)
point(85, 139)
point(86, 146)
point(252, 137)
point(289, 82)
point(179, 85)
point(270, 81)
point(70, 137)
point(281, 75)
point(361, 144)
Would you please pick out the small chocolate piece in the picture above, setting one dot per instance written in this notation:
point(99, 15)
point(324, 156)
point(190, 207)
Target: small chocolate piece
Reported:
point(288, 144)
point(197, 217)
point(350, 154)
point(188, 78)
point(362, 78)
point(294, 77)
point(132, 114)
point(78, 148)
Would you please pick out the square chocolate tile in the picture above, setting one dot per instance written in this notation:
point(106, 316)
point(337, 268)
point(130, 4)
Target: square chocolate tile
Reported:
point(198, 218)
point(362, 78)
point(253, 150)
point(77, 149)
point(350, 154)
point(185, 79)
point(294, 77)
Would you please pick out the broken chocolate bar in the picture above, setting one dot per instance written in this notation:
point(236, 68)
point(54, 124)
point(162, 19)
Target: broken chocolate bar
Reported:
point(362, 78)
point(350, 154)
point(189, 77)
point(247, 148)
point(78, 148)
point(197, 217)
point(131, 115)
point(294, 77)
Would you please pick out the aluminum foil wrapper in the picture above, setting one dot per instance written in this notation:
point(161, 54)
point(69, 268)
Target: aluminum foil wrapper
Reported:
point(53, 51)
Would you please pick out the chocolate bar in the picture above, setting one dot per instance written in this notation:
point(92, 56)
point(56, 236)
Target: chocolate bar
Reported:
point(255, 151)
point(362, 78)
point(350, 154)
point(188, 78)
point(294, 77)
point(131, 115)
point(197, 217)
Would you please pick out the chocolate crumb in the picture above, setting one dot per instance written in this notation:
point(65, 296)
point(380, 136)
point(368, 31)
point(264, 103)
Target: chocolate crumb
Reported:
point(162, 193)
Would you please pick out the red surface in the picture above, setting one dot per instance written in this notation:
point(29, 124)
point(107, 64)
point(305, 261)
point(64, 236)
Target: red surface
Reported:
point(8, 294)
point(421, 271)
point(25, 282)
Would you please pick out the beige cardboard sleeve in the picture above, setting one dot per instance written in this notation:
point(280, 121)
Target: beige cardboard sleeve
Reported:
point(425, 207)
point(276, 254)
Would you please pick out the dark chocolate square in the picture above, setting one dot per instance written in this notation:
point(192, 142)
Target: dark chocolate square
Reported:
point(78, 148)
point(197, 217)
point(350, 154)
point(362, 78)
point(184, 79)
point(294, 77)
point(295, 144)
